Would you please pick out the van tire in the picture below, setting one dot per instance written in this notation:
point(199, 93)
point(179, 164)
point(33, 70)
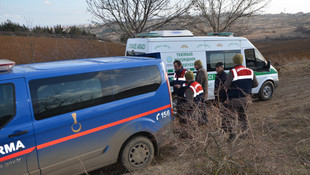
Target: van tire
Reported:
point(137, 153)
point(266, 91)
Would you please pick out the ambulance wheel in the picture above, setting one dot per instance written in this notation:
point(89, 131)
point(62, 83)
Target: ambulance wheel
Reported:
point(137, 153)
point(266, 91)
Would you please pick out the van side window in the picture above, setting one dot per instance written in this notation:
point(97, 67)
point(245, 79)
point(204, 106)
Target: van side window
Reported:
point(135, 81)
point(225, 56)
point(59, 95)
point(7, 103)
point(254, 59)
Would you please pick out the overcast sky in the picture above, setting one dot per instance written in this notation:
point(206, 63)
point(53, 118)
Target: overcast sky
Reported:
point(74, 12)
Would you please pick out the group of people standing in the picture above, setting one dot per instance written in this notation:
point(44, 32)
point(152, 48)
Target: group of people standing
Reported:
point(231, 91)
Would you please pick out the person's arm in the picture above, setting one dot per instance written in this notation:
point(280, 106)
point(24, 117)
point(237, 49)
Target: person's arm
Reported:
point(189, 94)
point(229, 80)
point(205, 90)
point(198, 77)
point(255, 82)
point(224, 77)
point(172, 82)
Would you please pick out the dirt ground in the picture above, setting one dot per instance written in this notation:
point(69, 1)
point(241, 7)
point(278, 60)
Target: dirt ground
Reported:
point(280, 125)
point(286, 118)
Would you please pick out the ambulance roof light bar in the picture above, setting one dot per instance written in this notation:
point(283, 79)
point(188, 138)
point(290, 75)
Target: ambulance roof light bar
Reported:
point(6, 65)
point(230, 34)
point(167, 33)
point(147, 34)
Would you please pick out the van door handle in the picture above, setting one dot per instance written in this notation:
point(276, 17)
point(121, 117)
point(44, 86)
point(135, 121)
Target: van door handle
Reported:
point(18, 134)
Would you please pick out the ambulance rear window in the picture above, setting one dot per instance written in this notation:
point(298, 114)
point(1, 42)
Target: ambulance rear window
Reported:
point(7, 103)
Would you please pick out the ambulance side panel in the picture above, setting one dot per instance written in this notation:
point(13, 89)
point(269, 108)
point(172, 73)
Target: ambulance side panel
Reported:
point(209, 51)
point(219, 51)
point(186, 51)
point(190, 51)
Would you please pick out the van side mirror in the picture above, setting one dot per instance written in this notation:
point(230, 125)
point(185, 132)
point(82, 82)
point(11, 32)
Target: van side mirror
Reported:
point(268, 65)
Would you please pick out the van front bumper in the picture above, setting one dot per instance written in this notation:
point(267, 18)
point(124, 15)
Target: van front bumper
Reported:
point(276, 83)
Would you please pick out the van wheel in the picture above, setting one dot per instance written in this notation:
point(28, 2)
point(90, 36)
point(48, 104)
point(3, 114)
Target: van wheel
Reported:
point(266, 91)
point(137, 153)
point(175, 103)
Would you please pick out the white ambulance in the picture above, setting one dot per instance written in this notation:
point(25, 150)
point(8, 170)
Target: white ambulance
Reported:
point(218, 47)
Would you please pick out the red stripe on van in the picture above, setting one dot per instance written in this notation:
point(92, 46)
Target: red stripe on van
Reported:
point(20, 153)
point(54, 142)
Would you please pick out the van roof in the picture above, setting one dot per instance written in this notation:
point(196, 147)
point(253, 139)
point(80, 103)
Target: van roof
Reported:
point(78, 65)
point(195, 38)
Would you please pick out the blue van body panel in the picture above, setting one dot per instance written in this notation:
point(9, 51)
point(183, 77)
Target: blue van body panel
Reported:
point(94, 135)
point(22, 122)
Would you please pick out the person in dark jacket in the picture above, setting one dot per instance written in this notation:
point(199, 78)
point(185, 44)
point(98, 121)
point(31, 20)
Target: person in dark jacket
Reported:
point(239, 84)
point(178, 78)
point(192, 100)
point(220, 78)
point(201, 77)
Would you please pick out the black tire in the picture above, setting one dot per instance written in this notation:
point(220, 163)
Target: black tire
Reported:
point(137, 153)
point(266, 91)
point(174, 104)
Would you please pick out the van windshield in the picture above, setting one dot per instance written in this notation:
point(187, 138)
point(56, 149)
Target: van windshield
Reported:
point(7, 103)
point(254, 59)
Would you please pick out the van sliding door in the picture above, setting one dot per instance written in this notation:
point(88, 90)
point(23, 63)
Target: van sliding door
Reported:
point(18, 153)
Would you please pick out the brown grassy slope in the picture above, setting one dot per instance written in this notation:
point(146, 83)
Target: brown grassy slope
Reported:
point(29, 49)
point(23, 49)
point(284, 49)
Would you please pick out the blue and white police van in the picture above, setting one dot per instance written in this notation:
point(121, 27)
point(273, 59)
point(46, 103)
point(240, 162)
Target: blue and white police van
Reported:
point(68, 117)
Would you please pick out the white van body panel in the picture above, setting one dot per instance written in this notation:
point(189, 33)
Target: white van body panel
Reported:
point(190, 49)
point(273, 77)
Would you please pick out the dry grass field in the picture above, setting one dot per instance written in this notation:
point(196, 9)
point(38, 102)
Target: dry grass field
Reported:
point(279, 140)
point(290, 49)
point(29, 49)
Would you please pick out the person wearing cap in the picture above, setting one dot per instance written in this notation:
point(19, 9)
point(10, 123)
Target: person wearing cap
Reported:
point(193, 95)
point(193, 91)
point(239, 84)
point(201, 77)
point(178, 78)
point(220, 78)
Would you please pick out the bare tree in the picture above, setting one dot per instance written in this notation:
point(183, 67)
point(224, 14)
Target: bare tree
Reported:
point(136, 16)
point(223, 14)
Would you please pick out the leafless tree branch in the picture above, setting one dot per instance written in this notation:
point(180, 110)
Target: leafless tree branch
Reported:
point(223, 14)
point(136, 16)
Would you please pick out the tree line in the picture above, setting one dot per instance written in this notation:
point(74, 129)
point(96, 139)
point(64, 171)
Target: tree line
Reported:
point(137, 16)
point(71, 31)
